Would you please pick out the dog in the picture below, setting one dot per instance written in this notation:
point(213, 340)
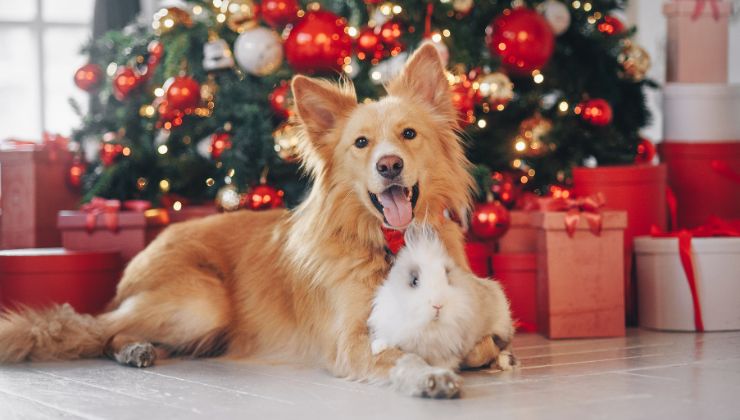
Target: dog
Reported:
point(295, 284)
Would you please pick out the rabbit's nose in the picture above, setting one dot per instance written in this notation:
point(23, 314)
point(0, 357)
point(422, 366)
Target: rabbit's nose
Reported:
point(437, 307)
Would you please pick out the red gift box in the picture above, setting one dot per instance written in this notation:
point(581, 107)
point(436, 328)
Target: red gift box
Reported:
point(32, 190)
point(127, 232)
point(698, 39)
point(705, 179)
point(44, 276)
point(580, 280)
point(521, 236)
point(517, 273)
point(479, 257)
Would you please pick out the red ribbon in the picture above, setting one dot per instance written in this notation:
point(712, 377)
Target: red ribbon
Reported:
point(672, 203)
point(699, 8)
point(723, 168)
point(714, 227)
point(109, 209)
point(51, 143)
point(428, 20)
point(575, 208)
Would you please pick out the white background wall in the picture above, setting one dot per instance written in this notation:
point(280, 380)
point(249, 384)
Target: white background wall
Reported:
point(651, 34)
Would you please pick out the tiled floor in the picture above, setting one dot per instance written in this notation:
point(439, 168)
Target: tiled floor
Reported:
point(646, 375)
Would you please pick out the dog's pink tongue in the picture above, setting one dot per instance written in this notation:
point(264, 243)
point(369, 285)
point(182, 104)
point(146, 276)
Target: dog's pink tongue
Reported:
point(396, 208)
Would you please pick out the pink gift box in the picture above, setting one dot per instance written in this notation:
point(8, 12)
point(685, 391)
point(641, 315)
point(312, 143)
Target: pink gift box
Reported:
point(521, 236)
point(189, 212)
point(697, 40)
point(33, 189)
point(580, 279)
point(128, 232)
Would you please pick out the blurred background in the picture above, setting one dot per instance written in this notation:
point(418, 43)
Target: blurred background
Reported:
point(41, 41)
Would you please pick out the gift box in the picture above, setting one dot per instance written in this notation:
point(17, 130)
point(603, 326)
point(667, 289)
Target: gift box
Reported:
point(697, 45)
point(521, 236)
point(580, 277)
point(479, 257)
point(127, 232)
point(44, 276)
point(32, 190)
point(701, 113)
point(517, 273)
point(668, 301)
point(189, 212)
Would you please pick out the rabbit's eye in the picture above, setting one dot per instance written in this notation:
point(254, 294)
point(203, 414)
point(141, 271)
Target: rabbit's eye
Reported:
point(414, 281)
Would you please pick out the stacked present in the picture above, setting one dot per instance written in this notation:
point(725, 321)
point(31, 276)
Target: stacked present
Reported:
point(38, 190)
point(687, 277)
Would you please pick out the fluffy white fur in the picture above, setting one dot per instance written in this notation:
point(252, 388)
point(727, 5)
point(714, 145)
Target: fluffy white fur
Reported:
point(444, 313)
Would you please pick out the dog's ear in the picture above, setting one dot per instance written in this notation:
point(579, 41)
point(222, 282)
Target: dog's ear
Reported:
point(321, 104)
point(424, 78)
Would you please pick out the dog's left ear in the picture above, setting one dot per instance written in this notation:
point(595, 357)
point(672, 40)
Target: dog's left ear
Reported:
point(320, 105)
point(424, 78)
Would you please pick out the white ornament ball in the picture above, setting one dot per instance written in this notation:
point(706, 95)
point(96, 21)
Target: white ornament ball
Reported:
point(258, 51)
point(557, 15)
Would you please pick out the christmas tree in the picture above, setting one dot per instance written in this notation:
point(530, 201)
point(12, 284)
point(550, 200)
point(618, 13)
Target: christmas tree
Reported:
point(195, 102)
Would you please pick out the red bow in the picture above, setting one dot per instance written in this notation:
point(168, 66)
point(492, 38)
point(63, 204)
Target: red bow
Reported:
point(394, 239)
point(51, 143)
point(588, 207)
point(699, 7)
point(109, 209)
point(714, 227)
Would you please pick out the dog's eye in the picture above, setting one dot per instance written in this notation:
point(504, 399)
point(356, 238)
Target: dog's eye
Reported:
point(409, 133)
point(414, 279)
point(361, 142)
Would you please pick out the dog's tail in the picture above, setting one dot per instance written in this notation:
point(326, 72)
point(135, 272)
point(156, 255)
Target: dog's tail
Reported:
point(56, 333)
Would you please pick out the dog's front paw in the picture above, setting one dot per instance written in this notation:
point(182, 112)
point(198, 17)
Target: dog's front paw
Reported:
point(413, 376)
point(138, 355)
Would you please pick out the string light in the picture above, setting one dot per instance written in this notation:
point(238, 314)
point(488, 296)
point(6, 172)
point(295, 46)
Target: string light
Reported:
point(563, 106)
point(520, 145)
point(230, 173)
point(221, 18)
point(375, 75)
point(587, 7)
point(126, 151)
point(397, 9)
point(482, 123)
point(159, 92)
point(516, 163)
point(446, 33)
point(210, 182)
point(197, 9)
point(111, 69)
point(538, 78)
point(576, 4)
point(524, 179)
point(162, 149)
point(177, 206)
point(500, 107)
point(352, 31)
point(164, 185)
point(436, 37)
point(141, 183)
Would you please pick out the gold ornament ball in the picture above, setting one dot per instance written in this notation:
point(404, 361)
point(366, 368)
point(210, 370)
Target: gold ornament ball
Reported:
point(635, 61)
point(240, 14)
point(167, 19)
point(532, 133)
point(495, 88)
point(286, 142)
point(228, 198)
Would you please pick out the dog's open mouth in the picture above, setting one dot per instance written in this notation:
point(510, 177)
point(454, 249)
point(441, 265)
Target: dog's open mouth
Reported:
point(396, 204)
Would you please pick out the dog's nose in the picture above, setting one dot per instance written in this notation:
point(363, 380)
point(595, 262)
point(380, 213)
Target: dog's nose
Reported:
point(389, 166)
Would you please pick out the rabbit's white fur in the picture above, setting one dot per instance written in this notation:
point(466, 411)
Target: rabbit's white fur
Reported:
point(405, 316)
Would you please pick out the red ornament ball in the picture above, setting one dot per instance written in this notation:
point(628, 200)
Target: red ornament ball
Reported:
point(124, 82)
point(522, 38)
point(645, 151)
point(389, 32)
point(220, 142)
point(277, 13)
point(110, 152)
point(595, 111)
point(506, 188)
point(75, 172)
point(263, 197)
point(490, 220)
point(318, 42)
point(281, 100)
point(182, 93)
point(156, 52)
point(368, 45)
point(168, 116)
point(463, 98)
point(88, 77)
point(610, 25)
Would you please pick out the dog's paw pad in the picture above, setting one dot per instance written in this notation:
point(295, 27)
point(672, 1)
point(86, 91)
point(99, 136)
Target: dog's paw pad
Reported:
point(440, 384)
point(138, 355)
point(507, 361)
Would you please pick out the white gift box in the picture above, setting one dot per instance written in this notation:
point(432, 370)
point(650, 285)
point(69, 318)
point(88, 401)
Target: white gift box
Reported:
point(701, 112)
point(663, 293)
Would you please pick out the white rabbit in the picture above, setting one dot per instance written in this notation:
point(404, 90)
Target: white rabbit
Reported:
point(431, 307)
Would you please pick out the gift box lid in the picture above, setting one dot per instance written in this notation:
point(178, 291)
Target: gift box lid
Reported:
point(41, 260)
point(77, 219)
point(705, 112)
point(718, 245)
point(514, 262)
point(688, 8)
point(555, 220)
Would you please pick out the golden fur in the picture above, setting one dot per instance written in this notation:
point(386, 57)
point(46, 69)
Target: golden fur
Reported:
point(293, 284)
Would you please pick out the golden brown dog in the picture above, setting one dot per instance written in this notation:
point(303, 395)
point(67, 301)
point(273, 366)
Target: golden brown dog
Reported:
point(297, 284)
